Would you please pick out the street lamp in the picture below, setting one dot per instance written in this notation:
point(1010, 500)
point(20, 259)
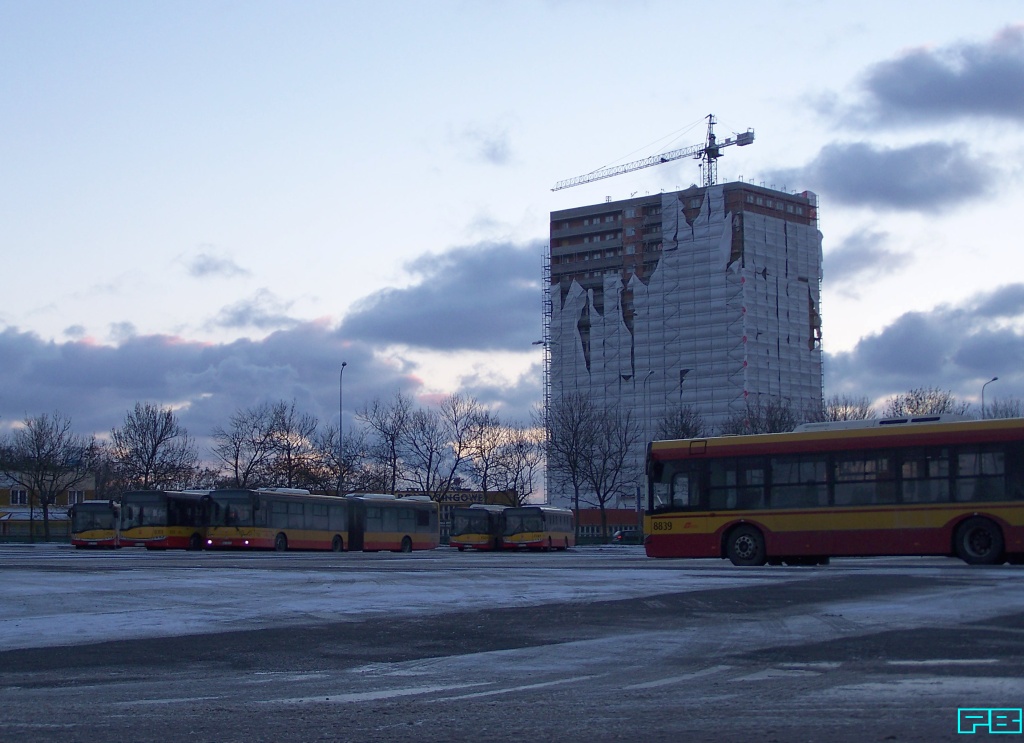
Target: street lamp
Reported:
point(341, 428)
point(983, 395)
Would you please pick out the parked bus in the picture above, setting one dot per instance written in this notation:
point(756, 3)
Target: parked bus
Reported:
point(283, 519)
point(276, 518)
point(163, 519)
point(900, 486)
point(384, 522)
point(95, 523)
point(479, 526)
point(539, 527)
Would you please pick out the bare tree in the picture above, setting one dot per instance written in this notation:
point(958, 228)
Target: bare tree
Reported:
point(1004, 408)
point(925, 401)
point(485, 449)
point(245, 448)
point(152, 450)
point(346, 464)
point(388, 423)
point(685, 423)
point(572, 433)
point(46, 458)
point(518, 461)
point(292, 434)
point(608, 470)
point(846, 408)
point(438, 444)
point(763, 415)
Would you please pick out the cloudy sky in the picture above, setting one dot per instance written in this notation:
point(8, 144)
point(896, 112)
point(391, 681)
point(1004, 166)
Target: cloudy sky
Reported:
point(212, 204)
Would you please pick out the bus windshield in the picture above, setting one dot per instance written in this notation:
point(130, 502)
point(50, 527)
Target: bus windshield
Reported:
point(91, 518)
point(143, 509)
point(468, 521)
point(230, 510)
point(523, 522)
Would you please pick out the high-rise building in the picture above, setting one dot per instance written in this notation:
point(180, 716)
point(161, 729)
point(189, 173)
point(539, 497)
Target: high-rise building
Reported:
point(706, 299)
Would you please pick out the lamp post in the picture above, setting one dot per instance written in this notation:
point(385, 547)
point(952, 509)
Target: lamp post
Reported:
point(983, 395)
point(341, 428)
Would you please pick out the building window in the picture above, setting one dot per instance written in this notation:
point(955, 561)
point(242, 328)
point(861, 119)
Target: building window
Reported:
point(609, 218)
point(630, 213)
point(630, 249)
point(760, 201)
point(630, 231)
point(75, 496)
point(19, 497)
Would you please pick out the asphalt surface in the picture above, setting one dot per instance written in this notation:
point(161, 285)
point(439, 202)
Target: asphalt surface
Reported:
point(860, 650)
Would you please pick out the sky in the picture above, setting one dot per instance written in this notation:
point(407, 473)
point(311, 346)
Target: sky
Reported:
point(208, 205)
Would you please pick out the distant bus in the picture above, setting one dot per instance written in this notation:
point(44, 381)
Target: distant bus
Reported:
point(276, 518)
point(163, 519)
point(900, 486)
point(384, 522)
point(480, 527)
point(289, 519)
point(539, 527)
point(95, 523)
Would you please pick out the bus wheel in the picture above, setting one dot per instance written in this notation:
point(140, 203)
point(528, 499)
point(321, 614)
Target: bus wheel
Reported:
point(337, 544)
point(195, 542)
point(406, 544)
point(281, 542)
point(462, 548)
point(979, 542)
point(745, 546)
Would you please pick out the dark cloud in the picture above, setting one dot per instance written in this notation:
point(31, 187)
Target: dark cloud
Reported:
point(959, 81)
point(263, 311)
point(862, 256)
point(491, 146)
point(96, 384)
point(482, 297)
point(952, 347)
point(205, 265)
point(927, 177)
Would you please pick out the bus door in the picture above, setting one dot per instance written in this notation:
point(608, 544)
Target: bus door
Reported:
point(356, 524)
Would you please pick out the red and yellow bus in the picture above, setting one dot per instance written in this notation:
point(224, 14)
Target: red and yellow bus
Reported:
point(902, 486)
point(284, 519)
point(384, 522)
point(163, 519)
point(539, 527)
point(95, 523)
point(479, 527)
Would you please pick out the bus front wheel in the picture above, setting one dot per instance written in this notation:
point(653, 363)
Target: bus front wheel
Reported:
point(745, 546)
point(337, 544)
point(979, 542)
point(281, 543)
point(195, 542)
point(406, 545)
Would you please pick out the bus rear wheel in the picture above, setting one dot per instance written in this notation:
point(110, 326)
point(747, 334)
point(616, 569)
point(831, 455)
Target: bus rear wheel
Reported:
point(281, 543)
point(195, 542)
point(406, 544)
point(978, 541)
point(337, 544)
point(745, 546)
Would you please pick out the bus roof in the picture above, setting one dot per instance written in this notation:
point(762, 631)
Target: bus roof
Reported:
point(817, 438)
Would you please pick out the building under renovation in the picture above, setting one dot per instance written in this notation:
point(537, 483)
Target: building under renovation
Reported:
point(707, 298)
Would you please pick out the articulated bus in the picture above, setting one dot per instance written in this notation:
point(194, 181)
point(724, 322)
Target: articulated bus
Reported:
point(901, 486)
point(163, 519)
point(283, 519)
point(275, 518)
point(479, 526)
point(384, 522)
point(539, 527)
point(95, 523)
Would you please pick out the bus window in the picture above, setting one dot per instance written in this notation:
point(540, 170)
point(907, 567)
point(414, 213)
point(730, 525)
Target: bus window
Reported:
point(799, 482)
point(864, 479)
point(737, 483)
point(925, 475)
point(980, 475)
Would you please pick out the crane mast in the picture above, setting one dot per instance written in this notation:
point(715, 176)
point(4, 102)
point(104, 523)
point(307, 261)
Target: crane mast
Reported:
point(708, 152)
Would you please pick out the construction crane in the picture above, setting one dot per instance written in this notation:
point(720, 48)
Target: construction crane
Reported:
point(709, 152)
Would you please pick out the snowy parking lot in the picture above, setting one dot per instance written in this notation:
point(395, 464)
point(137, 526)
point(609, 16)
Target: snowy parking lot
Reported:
point(594, 644)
